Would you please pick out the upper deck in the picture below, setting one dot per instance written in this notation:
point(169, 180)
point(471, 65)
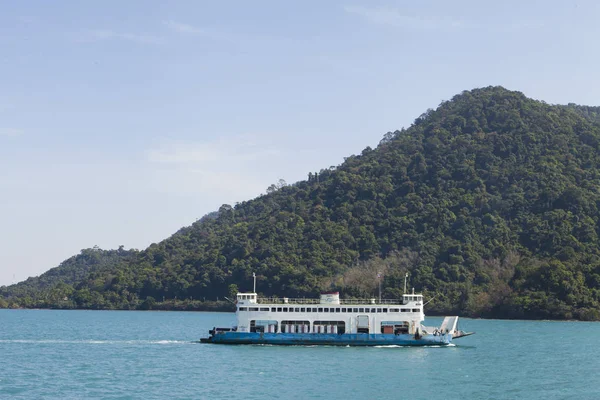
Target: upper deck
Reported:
point(328, 299)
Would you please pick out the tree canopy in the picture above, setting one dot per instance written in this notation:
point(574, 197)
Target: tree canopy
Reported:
point(490, 202)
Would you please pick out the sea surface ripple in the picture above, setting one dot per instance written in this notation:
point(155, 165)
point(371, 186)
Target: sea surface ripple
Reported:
point(51, 354)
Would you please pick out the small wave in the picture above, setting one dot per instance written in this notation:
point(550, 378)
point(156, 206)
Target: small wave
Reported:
point(168, 342)
point(389, 346)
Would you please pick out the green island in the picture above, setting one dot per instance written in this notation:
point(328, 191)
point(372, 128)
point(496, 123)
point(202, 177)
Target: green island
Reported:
point(491, 204)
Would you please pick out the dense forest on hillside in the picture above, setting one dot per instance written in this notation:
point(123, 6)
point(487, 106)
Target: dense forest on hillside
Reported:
point(55, 288)
point(490, 203)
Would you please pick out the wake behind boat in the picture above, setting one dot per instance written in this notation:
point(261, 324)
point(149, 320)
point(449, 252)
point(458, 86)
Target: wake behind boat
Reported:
point(334, 321)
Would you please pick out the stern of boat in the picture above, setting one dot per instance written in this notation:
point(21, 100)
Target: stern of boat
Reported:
point(213, 333)
point(450, 326)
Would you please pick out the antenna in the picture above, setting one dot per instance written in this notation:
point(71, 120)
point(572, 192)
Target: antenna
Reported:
point(254, 276)
point(379, 277)
point(405, 278)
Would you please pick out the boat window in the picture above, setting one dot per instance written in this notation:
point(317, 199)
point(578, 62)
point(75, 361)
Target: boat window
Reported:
point(326, 310)
point(253, 308)
point(264, 309)
point(314, 309)
point(361, 310)
point(355, 310)
point(405, 309)
point(385, 310)
point(285, 309)
point(394, 310)
point(320, 309)
point(343, 310)
point(273, 309)
point(415, 310)
point(279, 309)
point(337, 310)
point(373, 310)
point(302, 309)
point(243, 308)
point(379, 310)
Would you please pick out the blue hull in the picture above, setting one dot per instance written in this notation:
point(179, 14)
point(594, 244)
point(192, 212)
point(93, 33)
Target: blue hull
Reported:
point(331, 339)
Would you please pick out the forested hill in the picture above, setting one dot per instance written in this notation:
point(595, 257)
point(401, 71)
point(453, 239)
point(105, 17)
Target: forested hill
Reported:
point(490, 202)
point(55, 287)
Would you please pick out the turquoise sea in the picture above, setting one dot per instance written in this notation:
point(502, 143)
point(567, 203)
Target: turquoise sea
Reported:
point(47, 354)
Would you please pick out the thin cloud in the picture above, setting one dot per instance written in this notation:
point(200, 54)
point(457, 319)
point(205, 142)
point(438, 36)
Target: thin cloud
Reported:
point(183, 28)
point(210, 183)
point(229, 151)
point(229, 166)
point(208, 33)
point(105, 34)
point(393, 17)
point(10, 132)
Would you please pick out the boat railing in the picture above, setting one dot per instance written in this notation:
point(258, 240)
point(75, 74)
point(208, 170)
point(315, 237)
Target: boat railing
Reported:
point(286, 300)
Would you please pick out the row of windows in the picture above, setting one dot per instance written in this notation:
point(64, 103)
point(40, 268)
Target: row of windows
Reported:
point(327, 309)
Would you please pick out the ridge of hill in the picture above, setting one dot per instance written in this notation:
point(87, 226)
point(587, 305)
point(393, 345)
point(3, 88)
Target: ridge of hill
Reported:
point(490, 203)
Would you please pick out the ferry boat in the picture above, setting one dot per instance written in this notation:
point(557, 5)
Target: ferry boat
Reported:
point(334, 321)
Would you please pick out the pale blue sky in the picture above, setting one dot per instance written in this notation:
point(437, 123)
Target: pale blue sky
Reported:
point(122, 121)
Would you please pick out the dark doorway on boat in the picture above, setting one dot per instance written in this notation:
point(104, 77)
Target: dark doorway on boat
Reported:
point(362, 324)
